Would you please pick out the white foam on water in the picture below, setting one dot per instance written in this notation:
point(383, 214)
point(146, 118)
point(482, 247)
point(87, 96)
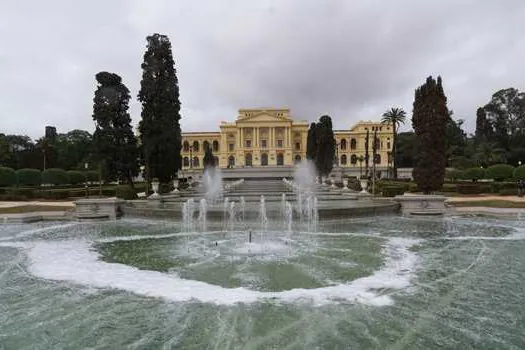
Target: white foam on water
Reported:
point(39, 230)
point(76, 262)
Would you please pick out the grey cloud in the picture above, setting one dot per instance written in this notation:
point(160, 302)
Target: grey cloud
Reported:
point(350, 59)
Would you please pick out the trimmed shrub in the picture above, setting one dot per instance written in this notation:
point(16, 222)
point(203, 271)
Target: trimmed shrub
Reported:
point(29, 177)
point(473, 188)
point(500, 172)
point(55, 176)
point(7, 177)
point(453, 175)
point(76, 177)
point(392, 191)
point(519, 172)
point(498, 187)
point(92, 175)
point(126, 192)
point(508, 192)
point(54, 194)
point(449, 188)
point(473, 174)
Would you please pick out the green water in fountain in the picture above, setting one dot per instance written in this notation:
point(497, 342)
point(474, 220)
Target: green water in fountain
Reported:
point(464, 286)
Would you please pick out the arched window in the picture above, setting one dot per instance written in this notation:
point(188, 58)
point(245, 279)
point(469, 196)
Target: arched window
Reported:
point(297, 158)
point(264, 159)
point(231, 161)
point(196, 161)
point(205, 145)
point(343, 144)
point(195, 146)
point(353, 159)
point(353, 144)
point(186, 146)
point(343, 159)
point(248, 159)
point(280, 159)
point(215, 146)
point(186, 161)
point(377, 159)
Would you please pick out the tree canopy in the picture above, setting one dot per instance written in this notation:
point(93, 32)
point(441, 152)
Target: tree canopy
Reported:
point(160, 132)
point(429, 120)
point(115, 144)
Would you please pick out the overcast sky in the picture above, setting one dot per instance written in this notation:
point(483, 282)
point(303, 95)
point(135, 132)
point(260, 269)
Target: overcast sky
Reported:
point(349, 59)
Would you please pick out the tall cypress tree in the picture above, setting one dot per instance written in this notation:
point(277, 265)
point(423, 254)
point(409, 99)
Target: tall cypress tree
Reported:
point(159, 128)
point(324, 159)
point(114, 142)
point(429, 120)
point(311, 142)
point(367, 156)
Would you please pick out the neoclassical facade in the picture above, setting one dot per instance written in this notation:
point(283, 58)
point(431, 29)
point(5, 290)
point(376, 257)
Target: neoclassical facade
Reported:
point(272, 137)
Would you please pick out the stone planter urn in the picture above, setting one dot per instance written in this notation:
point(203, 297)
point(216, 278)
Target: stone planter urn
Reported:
point(155, 186)
point(175, 186)
point(364, 185)
point(345, 184)
point(332, 181)
point(317, 181)
point(323, 180)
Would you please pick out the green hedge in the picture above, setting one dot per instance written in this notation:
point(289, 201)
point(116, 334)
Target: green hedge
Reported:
point(126, 192)
point(453, 175)
point(76, 177)
point(519, 172)
point(29, 177)
point(473, 188)
point(7, 177)
point(92, 175)
point(392, 191)
point(55, 176)
point(473, 174)
point(500, 172)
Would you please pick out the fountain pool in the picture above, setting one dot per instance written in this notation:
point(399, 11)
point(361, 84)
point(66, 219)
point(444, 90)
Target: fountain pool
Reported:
point(369, 283)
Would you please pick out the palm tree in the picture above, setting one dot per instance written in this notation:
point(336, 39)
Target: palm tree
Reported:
point(396, 117)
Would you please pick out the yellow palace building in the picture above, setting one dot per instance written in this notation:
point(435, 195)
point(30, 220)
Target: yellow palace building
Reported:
point(272, 137)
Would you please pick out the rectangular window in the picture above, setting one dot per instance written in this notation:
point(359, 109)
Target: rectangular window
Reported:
point(279, 143)
point(297, 145)
point(248, 143)
point(264, 144)
point(231, 146)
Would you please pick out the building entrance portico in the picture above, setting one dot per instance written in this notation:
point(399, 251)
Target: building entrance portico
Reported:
point(271, 137)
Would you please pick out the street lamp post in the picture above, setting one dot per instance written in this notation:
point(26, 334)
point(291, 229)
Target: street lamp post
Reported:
point(86, 165)
point(191, 157)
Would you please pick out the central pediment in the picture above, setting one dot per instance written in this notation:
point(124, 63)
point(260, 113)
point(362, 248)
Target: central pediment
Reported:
point(264, 115)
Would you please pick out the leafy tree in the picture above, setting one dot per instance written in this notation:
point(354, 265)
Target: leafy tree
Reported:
point(311, 142)
point(160, 132)
point(489, 153)
point(324, 159)
point(395, 117)
point(429, 120)
point(456, 138)
point(114, 142)
point(208, 160)
point(502, 120)
point(73, 149)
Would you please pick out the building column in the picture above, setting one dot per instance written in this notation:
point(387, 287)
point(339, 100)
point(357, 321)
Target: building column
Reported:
point(241, 130)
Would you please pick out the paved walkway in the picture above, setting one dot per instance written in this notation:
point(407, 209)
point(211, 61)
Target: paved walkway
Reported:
point(485, 198)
